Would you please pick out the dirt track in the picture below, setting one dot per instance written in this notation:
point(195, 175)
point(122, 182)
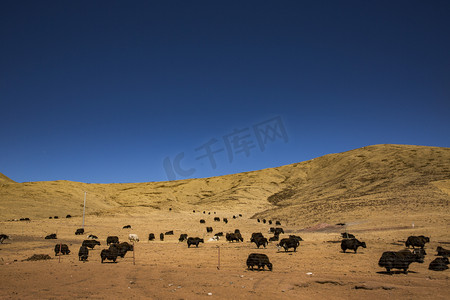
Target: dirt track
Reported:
point(170, 270)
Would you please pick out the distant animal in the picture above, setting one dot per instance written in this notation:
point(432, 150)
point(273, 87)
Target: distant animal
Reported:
point(51, 236)
point(260, 241)
point(399, 260)
point(3, 237)
point(340, 224)
point(219, 234)
point(68, 216)
point(169, 232)
point(240, 215)
point(126, 226)
point(209, 213)
point(264, 221)
point(79, 231)
point(204, 212)
point(288, 243)
point(122, 248)
point(439, 264)
point(278, 223)
point(90, 243)
point(193, 211)
point(132, 237)
point(202, 221)
point(442, 252)
point(50, 217)
point(194, 241)
point(170, 208)
point(346, 235)
point(274, 238)
point(234, 217)
point(110, 254)
point(55, 217)
point(61, 248)
point(183, 237)
point(151, 236)
point(225, 220)
point(259, 260)
point(351, 244)
point(112, 240)
point(417, 241)
point(91, 236)
point(270, 222)
point(278, 231)
point(216, 219)
point(256, 235)
point(295, 237)
point(209, 229)
point(83, 253)
point(258, 220)
point(237, 231)
point(213, 239)
point(23, 219)
point(272, 229)
point(161, 236)
point(231, 237)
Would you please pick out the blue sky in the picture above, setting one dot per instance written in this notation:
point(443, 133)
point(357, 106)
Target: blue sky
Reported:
point(115, 91)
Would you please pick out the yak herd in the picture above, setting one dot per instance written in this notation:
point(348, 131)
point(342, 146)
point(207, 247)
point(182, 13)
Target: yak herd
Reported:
point(389, 260)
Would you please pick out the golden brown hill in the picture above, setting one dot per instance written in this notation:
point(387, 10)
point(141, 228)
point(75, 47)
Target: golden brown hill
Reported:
point(5, 179)
point(391, 179)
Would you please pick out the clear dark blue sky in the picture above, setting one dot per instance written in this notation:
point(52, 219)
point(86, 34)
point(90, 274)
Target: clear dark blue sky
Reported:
point(132, 91)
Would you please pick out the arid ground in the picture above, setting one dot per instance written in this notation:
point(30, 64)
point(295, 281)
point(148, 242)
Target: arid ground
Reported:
point(382, 193)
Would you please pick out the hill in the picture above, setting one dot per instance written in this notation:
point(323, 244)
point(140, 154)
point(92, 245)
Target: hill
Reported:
point(387, 179)
point(4, 179)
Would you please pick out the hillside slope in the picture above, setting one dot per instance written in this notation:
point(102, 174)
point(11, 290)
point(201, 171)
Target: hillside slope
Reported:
point(384, 178)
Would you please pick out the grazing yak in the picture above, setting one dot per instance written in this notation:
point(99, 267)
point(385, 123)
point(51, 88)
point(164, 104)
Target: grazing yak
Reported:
point(51, 236)
point(219, 234)
point(277, 223)
point(439, 264)
point(225, 220)
point(278, 231)
point(83, 253)
point(183, 237)
point(68, 216)
point(194, 241)
point(3, 237)
point(209, 229)
point(161, 236)
point(256, 235)
point(110, 254)
point(264, 221)
point(169, 232)
point(296, 237)
point(122, 248)
point(63, 248)
point(79, 231)
point(260, 241)
point(151, 236)
point(202, 221)
point(90, 243)
point(133, 237)
point(234, 217)
point(417, 241)
point(346, 235)
point(270, 222)
point(399, 260)
point(92, 237)
point(274, 238)
point(126, 227)
point(259, 260)
point(112, 240)
point(288, 243)
point(55, 217)
point(231, 237)
point(351, 244)
point(237, 231)
point(258, 220)
point(442, 252)
point(216, 219)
